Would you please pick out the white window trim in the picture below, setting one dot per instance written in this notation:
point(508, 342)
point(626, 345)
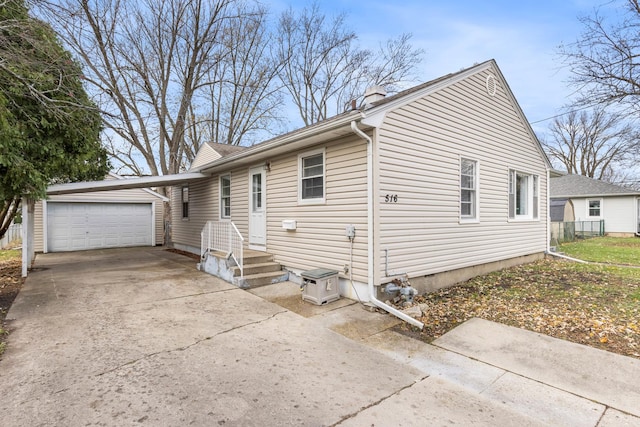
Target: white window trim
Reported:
point(316, 201)
point(222, 217)
point(530, 199)
point(182, 202)
point(590, 199)
point(476, 203)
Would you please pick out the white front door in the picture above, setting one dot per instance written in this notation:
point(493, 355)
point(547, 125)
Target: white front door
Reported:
point(257, 208)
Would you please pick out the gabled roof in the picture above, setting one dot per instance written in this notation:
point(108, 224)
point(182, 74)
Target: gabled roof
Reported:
point(582, 186)
point(369, 117)
point(225, 149)
point(430, 83)
point(331, 128)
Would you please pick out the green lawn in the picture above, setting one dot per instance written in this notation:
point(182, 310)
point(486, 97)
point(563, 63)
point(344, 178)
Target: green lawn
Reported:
point(612, 250)
point(9, 254)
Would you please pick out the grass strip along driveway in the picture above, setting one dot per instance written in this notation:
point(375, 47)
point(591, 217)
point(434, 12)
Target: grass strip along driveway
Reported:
point(592, 304)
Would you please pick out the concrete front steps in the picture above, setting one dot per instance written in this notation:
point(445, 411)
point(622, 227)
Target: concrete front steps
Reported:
point(259, 269)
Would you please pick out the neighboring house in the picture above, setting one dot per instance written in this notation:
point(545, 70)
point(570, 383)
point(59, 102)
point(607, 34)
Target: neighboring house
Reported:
point(440, 182)
point(595, 200)
point(101, 219)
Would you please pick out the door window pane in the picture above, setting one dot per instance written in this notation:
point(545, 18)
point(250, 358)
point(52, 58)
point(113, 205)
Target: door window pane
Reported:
point(256, 191)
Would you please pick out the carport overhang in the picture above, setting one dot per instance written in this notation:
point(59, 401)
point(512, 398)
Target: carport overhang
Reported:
point(28, 250)
point(126, 183)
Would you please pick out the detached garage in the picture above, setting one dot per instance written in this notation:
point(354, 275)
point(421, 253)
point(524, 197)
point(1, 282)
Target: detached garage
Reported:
point(97, 220)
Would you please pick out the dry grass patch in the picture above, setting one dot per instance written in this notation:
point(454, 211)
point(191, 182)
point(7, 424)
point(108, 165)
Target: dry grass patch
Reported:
point(588, 304)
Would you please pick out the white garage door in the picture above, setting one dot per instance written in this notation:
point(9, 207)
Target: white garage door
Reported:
point(79, 226)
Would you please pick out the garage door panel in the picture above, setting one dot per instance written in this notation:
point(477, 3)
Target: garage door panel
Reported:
point(80, 226)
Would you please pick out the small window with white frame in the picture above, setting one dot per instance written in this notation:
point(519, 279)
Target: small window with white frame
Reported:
point(468, 190)
point(311, 182)
point(185, 202)
point(225, 196)
point(524, 198)
point(594, 208)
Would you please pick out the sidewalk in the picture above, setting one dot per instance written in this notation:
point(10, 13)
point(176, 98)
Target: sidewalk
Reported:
point(485, 373)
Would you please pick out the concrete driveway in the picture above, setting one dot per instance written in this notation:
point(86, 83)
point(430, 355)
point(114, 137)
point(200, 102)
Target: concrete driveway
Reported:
point(138, 336)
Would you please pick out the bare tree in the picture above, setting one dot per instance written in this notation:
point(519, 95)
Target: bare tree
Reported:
point(593, 144)
point(246, 95)
point(153, 67)
point(324, 68)
point(604, 60)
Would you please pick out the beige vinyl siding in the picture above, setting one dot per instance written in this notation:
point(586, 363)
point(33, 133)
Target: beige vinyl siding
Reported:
point(134, 195)
point(420, 146)
point(319, 240)
point(205, 155)
point(203, 207)
point(38, 231)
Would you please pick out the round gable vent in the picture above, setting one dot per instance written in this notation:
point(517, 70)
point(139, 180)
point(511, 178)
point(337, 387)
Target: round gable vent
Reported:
point(491, 84)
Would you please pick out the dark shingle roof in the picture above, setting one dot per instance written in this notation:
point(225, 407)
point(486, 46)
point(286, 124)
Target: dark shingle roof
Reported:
point(578, 185)
point(419, 87)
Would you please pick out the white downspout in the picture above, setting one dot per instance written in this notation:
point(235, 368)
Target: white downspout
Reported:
point(548, 211)
point(370, 260)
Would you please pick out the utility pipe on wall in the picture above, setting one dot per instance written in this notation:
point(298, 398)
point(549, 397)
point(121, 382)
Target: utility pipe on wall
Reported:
point(370, 260)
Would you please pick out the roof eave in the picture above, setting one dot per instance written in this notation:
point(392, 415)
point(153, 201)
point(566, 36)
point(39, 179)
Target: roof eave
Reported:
point(574, 196)
point(303, 138)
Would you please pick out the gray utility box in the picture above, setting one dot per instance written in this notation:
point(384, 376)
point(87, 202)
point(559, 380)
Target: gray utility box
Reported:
point(320, 286)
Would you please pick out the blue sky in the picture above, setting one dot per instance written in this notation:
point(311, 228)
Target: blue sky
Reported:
point(522, 36)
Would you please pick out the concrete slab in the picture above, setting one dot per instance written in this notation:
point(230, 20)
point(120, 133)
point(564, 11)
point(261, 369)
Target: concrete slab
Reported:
point(356, 321)
point(606, 378)
point(544, 403)
point(434, 361)
point(289, 296)
point(613, 418)
point(437, 402)
point(344, 316)
point(139, 336)
point(533, 399)
point(155, 273)
point(219, 357)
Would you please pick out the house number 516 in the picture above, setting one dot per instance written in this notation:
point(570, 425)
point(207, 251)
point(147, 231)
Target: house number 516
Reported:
point(391, 198)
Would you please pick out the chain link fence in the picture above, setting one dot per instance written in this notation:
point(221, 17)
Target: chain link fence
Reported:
point(572, 231)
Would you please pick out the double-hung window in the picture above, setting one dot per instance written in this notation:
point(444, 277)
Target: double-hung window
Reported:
point(312, 177)
point(594, 208)
point(468, 190)
point(185, 202)
point(225, 196)
point(523, 195)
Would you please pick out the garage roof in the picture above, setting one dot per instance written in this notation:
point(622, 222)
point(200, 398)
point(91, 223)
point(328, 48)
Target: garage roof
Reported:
point(122, 184)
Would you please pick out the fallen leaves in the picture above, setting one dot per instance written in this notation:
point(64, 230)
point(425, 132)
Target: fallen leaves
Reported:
point(584, 304)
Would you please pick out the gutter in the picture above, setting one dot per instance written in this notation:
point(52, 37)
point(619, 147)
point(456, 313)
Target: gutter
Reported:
point(370, 242)
point(283, 144)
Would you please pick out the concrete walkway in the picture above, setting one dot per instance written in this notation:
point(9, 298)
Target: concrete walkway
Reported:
point(138, 336)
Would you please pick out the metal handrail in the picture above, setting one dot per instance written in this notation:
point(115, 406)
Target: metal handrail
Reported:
point(224, 237)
